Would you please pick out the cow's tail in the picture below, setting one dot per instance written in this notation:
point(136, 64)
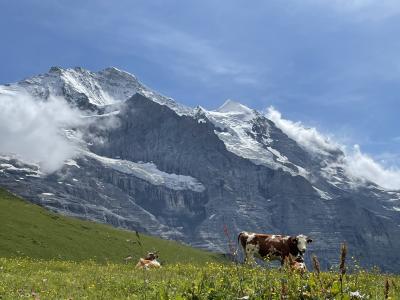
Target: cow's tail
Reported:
point(242, 239)
point(242, 234)
point(239, 237)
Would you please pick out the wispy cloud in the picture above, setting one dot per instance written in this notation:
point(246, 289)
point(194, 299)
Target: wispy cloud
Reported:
point(364, 10)
point(192, 55)
point(163, 42)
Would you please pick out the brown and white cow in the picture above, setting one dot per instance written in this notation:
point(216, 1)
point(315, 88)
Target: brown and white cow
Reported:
point(297, 264)
point(149, 262)
point(272, 246)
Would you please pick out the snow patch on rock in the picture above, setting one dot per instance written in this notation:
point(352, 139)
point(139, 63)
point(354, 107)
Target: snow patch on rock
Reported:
point(150, 173)
point(322, 194)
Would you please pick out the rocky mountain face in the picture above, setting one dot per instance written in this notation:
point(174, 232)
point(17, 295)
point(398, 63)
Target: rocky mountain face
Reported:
point(148, 163)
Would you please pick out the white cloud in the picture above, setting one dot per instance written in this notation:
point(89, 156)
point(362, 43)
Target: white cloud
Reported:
point(32, 129)
point(357, 165)
point(310, 138)
point(360, 165)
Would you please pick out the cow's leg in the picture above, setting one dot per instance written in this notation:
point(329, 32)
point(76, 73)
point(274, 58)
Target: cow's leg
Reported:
point(251, 250)
point(245, 253)
point(286, 262)
point(248, 256)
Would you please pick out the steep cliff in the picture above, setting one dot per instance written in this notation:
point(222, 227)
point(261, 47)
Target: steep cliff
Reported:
point(147, 163)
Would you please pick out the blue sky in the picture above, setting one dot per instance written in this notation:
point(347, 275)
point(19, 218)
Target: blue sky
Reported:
point(332, 64)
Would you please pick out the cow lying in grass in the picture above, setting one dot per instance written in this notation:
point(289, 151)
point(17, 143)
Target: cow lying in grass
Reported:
point(297, 264)
point(271, 246)
point(149, 262)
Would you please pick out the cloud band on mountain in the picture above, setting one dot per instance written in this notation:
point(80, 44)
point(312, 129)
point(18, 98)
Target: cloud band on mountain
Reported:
point(32, 129)
point(357, 165)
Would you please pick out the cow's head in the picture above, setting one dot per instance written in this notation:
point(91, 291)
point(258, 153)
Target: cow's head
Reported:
point(151, 256)
point(301, 242)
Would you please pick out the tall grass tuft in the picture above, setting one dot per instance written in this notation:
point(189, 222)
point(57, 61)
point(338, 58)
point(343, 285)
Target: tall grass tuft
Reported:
point(387, 286)
point(316, 265)
point(284, 289)
point(343, 253)
point(342, 266)
point(234, 252)
point(139, 241)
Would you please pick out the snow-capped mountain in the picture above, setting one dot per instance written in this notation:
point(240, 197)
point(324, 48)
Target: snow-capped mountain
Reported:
point(89, 90)
point(145, 162)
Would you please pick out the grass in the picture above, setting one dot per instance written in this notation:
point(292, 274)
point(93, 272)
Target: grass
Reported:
point(28, 230)
point(47, 256)
point(38, 279)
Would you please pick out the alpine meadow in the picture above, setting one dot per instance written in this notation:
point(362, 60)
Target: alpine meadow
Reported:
point(200, 149)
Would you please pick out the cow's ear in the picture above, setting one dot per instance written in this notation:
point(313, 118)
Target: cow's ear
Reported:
point(309, 240)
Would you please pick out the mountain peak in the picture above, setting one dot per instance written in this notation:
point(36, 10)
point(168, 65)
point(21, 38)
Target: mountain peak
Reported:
point(55, 69)
point(113, 71)
point(93, 89)
point(236, 110)
point(231, 106)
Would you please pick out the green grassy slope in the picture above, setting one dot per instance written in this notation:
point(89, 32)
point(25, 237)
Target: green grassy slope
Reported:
point(29, 230)
point(88, 280)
